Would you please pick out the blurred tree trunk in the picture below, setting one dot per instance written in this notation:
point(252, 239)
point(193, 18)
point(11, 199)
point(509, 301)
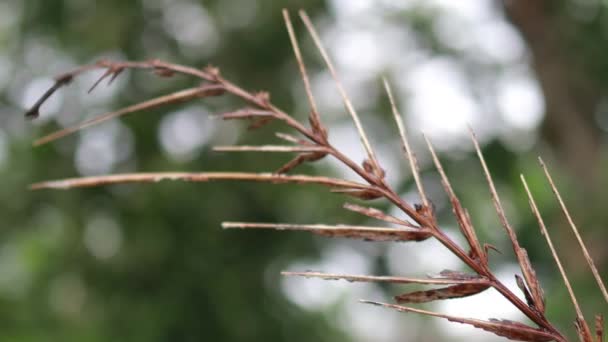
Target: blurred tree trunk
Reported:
point(571, 94)
point(569, 60)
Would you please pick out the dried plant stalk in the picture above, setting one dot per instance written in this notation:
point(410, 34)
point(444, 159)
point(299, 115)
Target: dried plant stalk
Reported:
point(464, 223)
point(406, 145)
point(154, 177)
point(347, 103)
point(269, 148)
point(392, 280)
point(509, 329)
point(312, 144)
point(537, 296)
point(545, 233)
point(588, 257)
point(346, 231)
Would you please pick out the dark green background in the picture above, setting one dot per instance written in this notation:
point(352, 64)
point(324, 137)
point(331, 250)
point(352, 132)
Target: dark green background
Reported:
point(177, 276)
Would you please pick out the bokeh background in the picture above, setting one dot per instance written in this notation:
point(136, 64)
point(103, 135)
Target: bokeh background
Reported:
point(150, 262)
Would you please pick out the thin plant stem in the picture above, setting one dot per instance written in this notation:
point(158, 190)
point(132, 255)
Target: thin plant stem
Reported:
point(566, 212)
point(405, 144)
point(545, 233)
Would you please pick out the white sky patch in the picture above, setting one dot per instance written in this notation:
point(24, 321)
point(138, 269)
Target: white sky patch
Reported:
point(490, 40)
point(357, 50)
point(192, 27)
point(346, 139)
point(454, 32)
point(497, 41)
point(347, 9)
point(95, 157)
point(346, 259)
point(520, 100)
point(363, 51)
point(328, 98)
point(310, 294)
point(417, 260)
point(476, 10)
point(317, 294)
point(397, 4)
point(325, 93)
point(365, 322)
point(404, 261)
point(440, 103)
point(102, 147)
point(184, 132)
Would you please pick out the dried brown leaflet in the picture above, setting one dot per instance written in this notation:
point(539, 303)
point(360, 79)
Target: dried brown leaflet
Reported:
point(311, 144)
point(439, 280)
point(345, 231)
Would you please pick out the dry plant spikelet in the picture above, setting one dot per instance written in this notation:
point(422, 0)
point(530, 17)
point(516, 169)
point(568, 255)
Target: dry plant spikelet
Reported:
point(313, 144)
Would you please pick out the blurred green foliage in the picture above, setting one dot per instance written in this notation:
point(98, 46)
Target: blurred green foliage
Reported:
point(177, 276)
point(150, 262)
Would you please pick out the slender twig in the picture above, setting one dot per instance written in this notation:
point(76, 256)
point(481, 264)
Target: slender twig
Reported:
point(208, 74)
point(292, 139)
point(179, 96)
point(521, 254)
point(349, 106)
point(482, 269)
point(290, 226)
point(359, 232)
point(439, 167)
point(462, 217)
point(405, 144)
point(387, 279)
point(194, 177)
point(495, 198)
point(246, 113)
point(588, 257)
point(60, 81)
point(545, 233)
point(269, 148)
point(509, 329)
point(301, 66)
